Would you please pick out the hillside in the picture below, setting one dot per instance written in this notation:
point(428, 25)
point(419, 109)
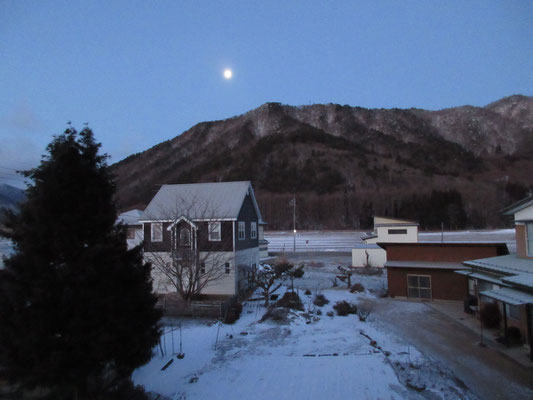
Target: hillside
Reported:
point(344, 164)
point(10, 196)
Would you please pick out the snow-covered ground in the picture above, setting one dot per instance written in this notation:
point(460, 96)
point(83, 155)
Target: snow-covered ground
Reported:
point(345, 240)
point(306, 358)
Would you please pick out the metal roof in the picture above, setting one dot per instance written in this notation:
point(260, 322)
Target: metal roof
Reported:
point(522, 280)
point(130, 217)
point(205, 201)
point(509, 264)
point(509, 296)
point(519, 205)
point(483, 277)
point(424, 264)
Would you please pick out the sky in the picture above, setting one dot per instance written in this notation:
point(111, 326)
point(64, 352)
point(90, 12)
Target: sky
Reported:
point(141, 72)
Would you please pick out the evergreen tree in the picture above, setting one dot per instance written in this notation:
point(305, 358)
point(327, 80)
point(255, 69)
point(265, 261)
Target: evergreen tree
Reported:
point(76, 306)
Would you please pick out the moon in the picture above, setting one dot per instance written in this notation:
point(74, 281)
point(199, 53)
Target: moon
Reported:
point(228, 73)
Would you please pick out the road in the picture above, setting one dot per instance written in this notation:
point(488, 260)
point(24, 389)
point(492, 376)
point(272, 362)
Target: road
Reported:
point(345, 240)
point(486, 372)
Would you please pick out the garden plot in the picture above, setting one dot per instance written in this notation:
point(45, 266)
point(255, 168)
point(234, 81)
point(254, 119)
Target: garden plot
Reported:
point(305, 356)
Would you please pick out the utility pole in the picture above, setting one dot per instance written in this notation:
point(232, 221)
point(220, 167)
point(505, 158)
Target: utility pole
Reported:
point(294, 222)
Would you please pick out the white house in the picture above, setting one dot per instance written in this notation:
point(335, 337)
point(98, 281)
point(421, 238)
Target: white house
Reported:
point(386, 230)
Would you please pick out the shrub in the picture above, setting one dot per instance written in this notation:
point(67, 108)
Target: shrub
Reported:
point(233, 313)
point(320, 300)
point(358, 287)
point(307, 292)
point(490, 315)
point(290, 300)
point(344, 308)
point(330, 313)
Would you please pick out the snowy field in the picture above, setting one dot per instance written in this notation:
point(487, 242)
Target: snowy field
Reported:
point(280, 241)
point(307, 357)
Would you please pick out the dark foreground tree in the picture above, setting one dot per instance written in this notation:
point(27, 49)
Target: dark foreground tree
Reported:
point(76, 307)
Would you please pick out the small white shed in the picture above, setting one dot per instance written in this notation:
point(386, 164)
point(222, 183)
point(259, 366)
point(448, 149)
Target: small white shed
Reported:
point(376, 255)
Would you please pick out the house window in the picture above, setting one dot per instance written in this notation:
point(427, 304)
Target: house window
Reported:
point(157, 232)
point(130, 233)
point(242, 230)
point(419, 286)
point(202, 268)
point(214, 231)
point(529, 238)
point(228, 268)
point(253, 230)
point(397, 231)
point(185, 237)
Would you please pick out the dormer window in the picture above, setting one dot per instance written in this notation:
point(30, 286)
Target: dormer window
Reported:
point(185, 237)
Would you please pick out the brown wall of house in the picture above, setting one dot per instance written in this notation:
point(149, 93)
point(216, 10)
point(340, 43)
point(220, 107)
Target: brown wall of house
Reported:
point(248, 215)
point(226, 237)
point(447, 252)
point(150, 246)
point(520, 234)
point(445, 284)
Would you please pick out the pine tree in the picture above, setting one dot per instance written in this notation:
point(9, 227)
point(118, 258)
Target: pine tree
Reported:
point(76, 306)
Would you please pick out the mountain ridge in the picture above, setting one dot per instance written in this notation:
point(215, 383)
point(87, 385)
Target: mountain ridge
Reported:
point(363, 156)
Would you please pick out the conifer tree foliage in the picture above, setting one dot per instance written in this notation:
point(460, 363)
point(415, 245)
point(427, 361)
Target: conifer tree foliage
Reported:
point(76, 306)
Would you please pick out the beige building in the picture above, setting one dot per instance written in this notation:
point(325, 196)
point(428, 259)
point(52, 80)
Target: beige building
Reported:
point(391, 230)
point(386, 230)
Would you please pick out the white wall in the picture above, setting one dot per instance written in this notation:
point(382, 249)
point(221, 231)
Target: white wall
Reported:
point(385, 237)
point(139, 237)
point(245, 259)
point(525, 214)
point(377, 257)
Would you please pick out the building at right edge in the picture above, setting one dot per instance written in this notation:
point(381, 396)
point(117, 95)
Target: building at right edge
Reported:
point(508, 279)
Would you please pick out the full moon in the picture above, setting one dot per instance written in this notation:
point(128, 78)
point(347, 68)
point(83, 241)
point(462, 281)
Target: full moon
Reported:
point(228, 74)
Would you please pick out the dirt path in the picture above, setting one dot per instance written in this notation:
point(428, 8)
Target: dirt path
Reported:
point(486, 372)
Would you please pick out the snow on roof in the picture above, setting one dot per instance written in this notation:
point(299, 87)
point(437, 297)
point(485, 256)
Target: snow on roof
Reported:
point(509, 296)
point(386, 221)
point(522, 280)
point(130, 217)
point(424, 264)
point(483, 277)
point(509, 264)
point(215, 200)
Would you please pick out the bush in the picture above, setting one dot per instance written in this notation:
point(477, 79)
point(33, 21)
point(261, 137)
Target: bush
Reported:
point(358, 287)
point(320, 300)
point(290, 300)
point(307, 292)
point(233, 313)
point(330, 313)
point(490, 315)
point(344, 308)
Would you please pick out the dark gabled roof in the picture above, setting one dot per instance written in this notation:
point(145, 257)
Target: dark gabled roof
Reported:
point(519, 205)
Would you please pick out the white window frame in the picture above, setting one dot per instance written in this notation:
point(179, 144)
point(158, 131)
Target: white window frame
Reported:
point(214, 227)
point(242, 230)
point(131, 232)
point(420, 287)
point(253, 230)
point(152, 231)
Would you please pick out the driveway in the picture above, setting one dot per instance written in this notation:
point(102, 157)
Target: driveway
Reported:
point(486, 372)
